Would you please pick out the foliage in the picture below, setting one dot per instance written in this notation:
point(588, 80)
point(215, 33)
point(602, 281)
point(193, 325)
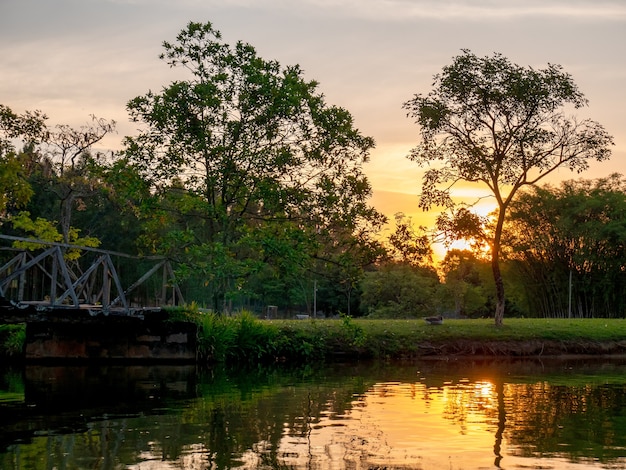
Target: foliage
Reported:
point(467, 288)
point(29, 126)
point(53, 177)
point(45, 230)
point(236, 339)
point(575, 229)
point(77, 177)
point(355, 335)
point(397, 290)
point(12, 340)
point(408, 245)
point(396, 338)
point(245, 147)
point(493, 122)
point(15, 189)
point(462, 224)
point(243, 176)
point(216, 337)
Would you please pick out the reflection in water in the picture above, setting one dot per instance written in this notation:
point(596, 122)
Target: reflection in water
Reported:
point(428, 415)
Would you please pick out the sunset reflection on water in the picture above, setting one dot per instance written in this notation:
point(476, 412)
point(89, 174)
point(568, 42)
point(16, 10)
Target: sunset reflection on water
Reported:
point(457, 415)
point(456, 425)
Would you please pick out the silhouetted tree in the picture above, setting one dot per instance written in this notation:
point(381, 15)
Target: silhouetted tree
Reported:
point(493, 122)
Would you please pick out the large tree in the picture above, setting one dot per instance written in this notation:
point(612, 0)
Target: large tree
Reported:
point(493, 122)
point(255, 143)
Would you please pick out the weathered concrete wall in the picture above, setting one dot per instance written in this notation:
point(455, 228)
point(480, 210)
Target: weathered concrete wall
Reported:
point(112, 338)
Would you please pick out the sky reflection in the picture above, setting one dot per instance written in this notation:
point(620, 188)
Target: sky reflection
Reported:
point(458, 425)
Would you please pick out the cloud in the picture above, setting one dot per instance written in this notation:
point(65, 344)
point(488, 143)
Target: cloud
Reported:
point(402, 10)
point(476, 10)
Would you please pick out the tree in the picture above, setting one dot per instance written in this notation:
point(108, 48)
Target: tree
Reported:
point(493, 122)
point(568, 244)
point(76, 167)
point(408, 245)
point(30, 128)
point(400, 290)
point(57, 161)
point(466, 288)
point(256, 143)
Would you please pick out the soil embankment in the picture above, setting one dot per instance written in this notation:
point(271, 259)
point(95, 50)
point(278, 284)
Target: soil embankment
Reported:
point(522, 348)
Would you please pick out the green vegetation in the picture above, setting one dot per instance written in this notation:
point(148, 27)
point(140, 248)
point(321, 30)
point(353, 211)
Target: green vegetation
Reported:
point(12, 339)
point(571, 233)
point(502, 125)
point(406, 338)
point(243, 338)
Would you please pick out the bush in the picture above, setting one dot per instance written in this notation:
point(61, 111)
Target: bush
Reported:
point(233, 339)
point(12, 340)
point(399, 291)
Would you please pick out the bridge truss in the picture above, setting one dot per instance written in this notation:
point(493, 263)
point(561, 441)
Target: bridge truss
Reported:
point(46, 279)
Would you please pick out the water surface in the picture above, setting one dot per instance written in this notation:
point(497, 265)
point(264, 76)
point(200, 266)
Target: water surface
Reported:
point(435, 414)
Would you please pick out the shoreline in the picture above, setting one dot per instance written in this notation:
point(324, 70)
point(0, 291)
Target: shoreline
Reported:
point(247, 340)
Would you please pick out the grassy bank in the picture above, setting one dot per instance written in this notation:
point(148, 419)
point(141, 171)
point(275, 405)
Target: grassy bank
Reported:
point(245, 339)
point(412, 338)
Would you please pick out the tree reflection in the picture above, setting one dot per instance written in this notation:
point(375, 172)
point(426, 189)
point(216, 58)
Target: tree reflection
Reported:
point(578, 420)
point(497, 448)
point(591, 419)
point(271, 418)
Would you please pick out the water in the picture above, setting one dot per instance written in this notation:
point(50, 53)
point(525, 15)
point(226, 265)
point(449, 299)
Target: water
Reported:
point(436, 414)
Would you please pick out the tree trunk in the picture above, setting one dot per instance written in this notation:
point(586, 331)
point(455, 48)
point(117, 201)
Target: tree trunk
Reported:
point(497, 277)
point(65, 221)
point(495, 267)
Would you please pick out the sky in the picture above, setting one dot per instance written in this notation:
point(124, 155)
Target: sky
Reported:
point(74, 58)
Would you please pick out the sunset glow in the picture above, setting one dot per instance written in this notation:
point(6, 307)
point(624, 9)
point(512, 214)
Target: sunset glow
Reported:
point(370, 59)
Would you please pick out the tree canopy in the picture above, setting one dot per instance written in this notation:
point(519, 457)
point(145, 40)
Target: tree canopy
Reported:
point(253, 145)
point(568, 244)
point(253, 187)
point(30, 128)
point(502, 125)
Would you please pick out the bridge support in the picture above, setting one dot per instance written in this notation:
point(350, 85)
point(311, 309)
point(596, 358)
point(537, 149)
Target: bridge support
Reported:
point(78, 336)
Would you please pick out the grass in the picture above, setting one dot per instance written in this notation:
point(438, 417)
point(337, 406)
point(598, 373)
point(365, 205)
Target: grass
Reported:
point(482, 329)
point(245, 339)
point(519, 329)
point(401, 338)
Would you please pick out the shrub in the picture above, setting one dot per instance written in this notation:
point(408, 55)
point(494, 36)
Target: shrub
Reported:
point(12, 340)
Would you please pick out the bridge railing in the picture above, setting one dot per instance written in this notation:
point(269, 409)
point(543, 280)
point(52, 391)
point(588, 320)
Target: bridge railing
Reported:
point(45, 277)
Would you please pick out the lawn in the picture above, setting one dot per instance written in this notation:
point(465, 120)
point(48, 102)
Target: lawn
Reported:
point(594, 329)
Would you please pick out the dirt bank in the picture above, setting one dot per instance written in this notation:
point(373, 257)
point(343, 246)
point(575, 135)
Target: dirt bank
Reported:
point(526, 348)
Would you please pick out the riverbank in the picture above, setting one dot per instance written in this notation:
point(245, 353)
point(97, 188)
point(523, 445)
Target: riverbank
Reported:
point(415, 338)
point(246, 339)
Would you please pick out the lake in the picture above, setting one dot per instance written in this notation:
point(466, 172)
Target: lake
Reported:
point(454, 414)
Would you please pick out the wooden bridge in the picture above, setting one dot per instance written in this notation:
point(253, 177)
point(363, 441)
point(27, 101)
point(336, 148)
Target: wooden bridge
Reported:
point(45, 279)
point(83, 307)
